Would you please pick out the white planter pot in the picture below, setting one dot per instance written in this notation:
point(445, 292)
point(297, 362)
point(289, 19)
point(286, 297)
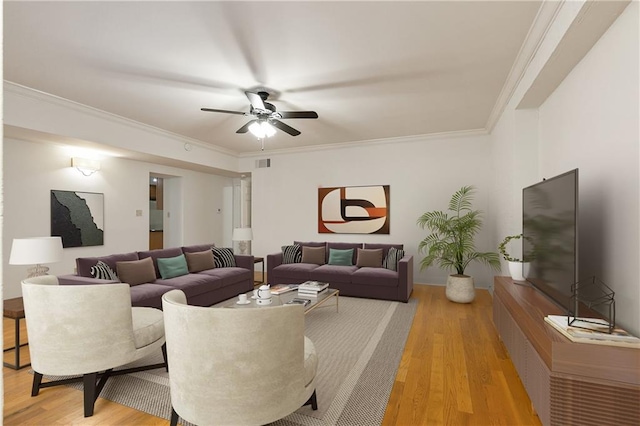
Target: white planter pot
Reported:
point(460, 289)
point(519, 270)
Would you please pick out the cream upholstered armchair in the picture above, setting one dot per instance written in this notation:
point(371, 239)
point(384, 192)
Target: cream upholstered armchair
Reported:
point(237, 366)
point(86, 330)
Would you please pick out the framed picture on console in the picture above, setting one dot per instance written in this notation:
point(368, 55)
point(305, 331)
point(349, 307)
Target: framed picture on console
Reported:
point(354, 210)
point(77, 217)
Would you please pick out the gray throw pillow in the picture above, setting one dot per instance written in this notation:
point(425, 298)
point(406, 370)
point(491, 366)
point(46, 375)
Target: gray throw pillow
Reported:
point(313, 255)
point(392, 259)
point(200, 261)
point(371, 258)
point(136, 272)
point(103, 271)
point(292, 254)
point(223, 257)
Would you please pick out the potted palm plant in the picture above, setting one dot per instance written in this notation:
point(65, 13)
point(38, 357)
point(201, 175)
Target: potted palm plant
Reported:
point(518, 268)
point(451, 244)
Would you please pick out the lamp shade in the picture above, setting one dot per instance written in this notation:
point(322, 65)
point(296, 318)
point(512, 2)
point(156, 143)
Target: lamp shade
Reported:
point(242, 234)
point(35, 251)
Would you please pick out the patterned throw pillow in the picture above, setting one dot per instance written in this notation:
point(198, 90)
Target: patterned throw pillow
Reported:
point(292, 254)
point(392, 259)
point(223, 257)
point(103, 271)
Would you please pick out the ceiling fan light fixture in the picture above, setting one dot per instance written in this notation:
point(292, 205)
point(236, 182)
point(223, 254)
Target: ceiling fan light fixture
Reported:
point(262, 129)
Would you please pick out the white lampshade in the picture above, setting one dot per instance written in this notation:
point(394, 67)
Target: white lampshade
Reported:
point(35, 251)
point(242, 234)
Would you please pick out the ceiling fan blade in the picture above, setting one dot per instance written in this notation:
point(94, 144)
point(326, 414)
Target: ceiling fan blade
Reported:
point(245, 128)
point(256, 101)
point(223, 110)
point(284, 127)
point(298, 114)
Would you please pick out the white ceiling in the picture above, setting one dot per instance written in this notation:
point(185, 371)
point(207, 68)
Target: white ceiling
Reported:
point(371, 70)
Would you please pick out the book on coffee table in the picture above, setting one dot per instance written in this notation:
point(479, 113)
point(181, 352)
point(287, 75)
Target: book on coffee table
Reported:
point(282, 288)
point(298, 301)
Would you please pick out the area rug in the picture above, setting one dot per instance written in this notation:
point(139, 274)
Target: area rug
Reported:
point(359, 350)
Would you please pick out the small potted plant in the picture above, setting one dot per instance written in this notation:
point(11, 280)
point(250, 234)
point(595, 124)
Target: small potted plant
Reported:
point(518, 268)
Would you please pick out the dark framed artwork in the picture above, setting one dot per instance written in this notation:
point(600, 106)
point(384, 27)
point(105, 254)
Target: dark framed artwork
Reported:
point(353, 210)
point(77, 217)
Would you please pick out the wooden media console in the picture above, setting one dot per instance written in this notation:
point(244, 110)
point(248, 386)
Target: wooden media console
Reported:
point(568, 383)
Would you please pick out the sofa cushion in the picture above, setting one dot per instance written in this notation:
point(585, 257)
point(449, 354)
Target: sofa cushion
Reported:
point(200, 260)
point(340, 257)
point(345, 246)
point(148, 294)
point(375, 276)
point(229, 276)
point(334, 273)
point(155, 254)
point(171, 267)
point(192, 284)
point(84, 264)
point(102, 271)
point(295, 271)
point(369, 257)
point(136, 272)
point(223, 257)
point(292, 254)
point(315, 255)
point(392, 259)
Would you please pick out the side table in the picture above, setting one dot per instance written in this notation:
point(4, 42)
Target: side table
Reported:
point(257, 259)
point(14, 309)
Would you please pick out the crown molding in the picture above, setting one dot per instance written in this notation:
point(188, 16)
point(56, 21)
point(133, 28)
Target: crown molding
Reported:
point(543, 21)
point(365, 143)
point(28, 92)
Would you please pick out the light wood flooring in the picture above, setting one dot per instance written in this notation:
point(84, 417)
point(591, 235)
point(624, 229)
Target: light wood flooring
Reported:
point(454, 371)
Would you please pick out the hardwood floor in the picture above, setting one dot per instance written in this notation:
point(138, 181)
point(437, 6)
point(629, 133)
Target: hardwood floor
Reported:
point(454, 371)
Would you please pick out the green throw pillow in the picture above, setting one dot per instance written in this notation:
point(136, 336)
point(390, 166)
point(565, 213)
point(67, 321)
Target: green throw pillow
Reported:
point(341, 257)
point(171, 267)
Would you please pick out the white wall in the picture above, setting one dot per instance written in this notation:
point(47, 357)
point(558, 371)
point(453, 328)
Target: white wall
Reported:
point(423, 173)
point(592, 122)
point(32, 169)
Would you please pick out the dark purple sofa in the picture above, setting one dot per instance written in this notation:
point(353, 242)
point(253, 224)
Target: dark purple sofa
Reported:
point(204, 288)
point(368, 282)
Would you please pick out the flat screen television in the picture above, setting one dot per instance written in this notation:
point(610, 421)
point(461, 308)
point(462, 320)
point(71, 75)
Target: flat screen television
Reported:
point(550, 236)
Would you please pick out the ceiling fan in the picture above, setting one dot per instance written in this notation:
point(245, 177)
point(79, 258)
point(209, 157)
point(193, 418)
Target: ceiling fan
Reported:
point(266, 116)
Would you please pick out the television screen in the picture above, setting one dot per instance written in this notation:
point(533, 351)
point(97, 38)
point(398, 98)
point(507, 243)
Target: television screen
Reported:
point(550, 230)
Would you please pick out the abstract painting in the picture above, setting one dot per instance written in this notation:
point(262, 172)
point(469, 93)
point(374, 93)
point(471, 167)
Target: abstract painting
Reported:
point(77, 217)
point(353, 210)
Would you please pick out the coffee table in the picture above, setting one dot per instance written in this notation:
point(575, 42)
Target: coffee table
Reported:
point(283, 298)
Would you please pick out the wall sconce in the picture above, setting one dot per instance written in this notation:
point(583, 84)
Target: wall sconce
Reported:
point(85, 166)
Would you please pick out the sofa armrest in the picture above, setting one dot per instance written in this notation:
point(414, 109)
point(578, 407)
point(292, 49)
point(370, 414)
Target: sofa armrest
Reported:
point(273, 260)
point(72, 279)
point(244, 261)
point(405, 277)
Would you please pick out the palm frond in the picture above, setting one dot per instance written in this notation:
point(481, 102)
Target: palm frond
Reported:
point(450, 243)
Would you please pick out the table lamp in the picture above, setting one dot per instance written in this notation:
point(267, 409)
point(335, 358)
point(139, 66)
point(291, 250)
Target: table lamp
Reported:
point(36, 251)
point(242, 235)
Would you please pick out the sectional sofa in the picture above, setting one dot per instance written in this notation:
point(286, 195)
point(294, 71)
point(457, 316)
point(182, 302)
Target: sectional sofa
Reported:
point(356, 269)
point(203, 283)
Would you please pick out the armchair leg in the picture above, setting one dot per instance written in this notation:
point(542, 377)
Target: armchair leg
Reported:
point(164, 356)
point(174, 417)
point(313, 401)
point(37, 380)
point(89, 384)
